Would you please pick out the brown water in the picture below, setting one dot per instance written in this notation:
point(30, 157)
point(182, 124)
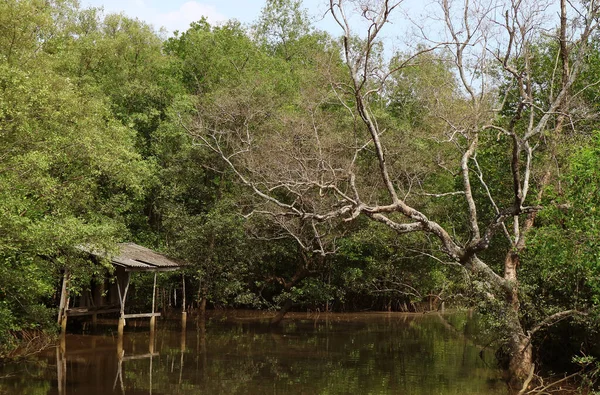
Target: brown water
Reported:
point(375, 353)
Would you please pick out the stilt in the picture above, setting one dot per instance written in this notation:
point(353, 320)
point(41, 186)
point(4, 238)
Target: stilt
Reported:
point(121, 326)
point(151, 343)
point(153, 318)
point(97, 290)
point(183, 312)
point(119, 375)
point(61, 369)
point(150, 375)
point(183, 320)
point(182, 349)
point(122, 299)
point(120, 351)
point(182, 343)
point(64, 303)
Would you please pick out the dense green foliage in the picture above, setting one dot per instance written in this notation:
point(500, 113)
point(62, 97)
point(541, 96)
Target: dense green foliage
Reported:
point(105, 136)
point(69, 173)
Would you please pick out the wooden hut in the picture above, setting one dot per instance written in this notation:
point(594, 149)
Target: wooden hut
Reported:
point(110, 295)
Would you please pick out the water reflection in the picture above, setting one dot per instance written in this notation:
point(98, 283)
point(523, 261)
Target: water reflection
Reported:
point(334, 354)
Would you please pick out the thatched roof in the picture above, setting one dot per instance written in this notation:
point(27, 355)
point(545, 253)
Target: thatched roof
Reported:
point(134, 257)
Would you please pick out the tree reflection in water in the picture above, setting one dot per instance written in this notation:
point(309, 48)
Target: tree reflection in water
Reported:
point(334, 354)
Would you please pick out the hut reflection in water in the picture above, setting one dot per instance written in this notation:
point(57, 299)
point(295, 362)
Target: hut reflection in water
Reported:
point(92, 358)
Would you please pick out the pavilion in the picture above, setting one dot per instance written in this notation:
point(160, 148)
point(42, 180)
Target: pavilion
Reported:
point(109, 295)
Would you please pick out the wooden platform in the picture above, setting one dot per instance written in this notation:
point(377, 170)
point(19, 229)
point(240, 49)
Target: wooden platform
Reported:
point(81, 311)
point(142, 315)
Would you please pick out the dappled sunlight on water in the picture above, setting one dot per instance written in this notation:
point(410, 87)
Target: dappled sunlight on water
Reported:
point(236, 352)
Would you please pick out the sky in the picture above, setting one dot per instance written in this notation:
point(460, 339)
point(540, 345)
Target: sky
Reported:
point(178, 14)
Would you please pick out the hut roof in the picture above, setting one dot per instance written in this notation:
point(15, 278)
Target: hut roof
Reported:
point(134, 257)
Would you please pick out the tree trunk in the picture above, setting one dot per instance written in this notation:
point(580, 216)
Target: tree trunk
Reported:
point(519, 346)
point(521, 360)
point(287, 306)
point(300, 275)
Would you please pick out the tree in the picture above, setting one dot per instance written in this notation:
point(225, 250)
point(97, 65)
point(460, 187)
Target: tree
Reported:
point(69, 171)
point(230, 74)
point(219, 254)
point(122, 61)
point(282, 26)
point(342, 170)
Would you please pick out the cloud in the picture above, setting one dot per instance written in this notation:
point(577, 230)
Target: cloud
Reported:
point(160, 13)
point(187, 13)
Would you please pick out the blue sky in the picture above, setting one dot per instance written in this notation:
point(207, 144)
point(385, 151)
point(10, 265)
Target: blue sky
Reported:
point(177, 14)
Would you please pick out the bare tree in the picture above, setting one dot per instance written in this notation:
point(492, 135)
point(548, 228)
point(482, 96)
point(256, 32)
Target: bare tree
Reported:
point(535, 122)
point(315, 176)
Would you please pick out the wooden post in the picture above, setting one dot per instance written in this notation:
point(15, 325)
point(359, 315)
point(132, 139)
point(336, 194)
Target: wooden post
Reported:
point(182, 348)
point(120, 351)
point(151, 355)
point(181, 356)
point(153, 318)
point(151, 342)
point(61, 369)
point(183, 291)
point(119, 376)
point(122, 311)
point(183, 312)
point(122, 299)
point(97, 289)
point(64, 303)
